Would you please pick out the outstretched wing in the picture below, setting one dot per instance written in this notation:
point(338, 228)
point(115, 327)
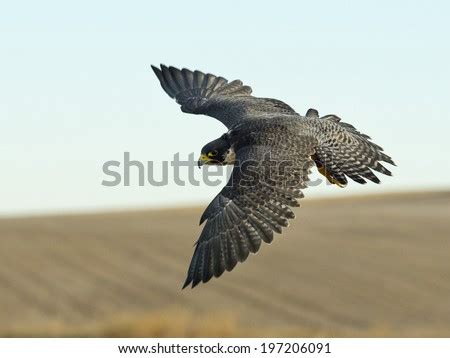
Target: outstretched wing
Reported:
point(264, 184)
point(214, 96)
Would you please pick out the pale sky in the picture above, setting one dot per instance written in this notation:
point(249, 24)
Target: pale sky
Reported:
point(77, 89)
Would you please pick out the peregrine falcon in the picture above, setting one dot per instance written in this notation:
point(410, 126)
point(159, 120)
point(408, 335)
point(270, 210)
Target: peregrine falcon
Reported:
point(272, 148)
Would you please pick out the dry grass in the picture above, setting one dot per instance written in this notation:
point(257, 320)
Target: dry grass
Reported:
point(366, 266)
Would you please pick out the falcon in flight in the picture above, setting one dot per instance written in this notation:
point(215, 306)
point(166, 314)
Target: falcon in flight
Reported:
point(272, 148)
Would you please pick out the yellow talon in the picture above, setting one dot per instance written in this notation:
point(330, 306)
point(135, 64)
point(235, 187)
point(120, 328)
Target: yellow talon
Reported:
point(330, 178)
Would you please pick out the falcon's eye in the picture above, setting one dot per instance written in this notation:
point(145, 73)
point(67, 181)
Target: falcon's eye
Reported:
point(212, 153)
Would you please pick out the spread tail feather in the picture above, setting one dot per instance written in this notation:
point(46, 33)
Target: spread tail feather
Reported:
point(345, 152)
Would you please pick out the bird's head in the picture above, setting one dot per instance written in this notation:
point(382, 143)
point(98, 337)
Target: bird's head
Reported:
point(217, 152)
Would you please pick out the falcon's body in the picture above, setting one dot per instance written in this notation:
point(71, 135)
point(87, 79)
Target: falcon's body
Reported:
point(273, 149)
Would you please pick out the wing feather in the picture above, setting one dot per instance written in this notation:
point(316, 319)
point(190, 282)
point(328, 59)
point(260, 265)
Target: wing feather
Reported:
point(229, 102)
point(242, 216)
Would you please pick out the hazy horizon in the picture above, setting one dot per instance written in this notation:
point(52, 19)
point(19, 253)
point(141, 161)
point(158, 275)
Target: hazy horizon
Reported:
point(78, 90)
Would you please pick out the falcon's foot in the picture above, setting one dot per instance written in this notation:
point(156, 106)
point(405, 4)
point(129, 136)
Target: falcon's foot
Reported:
point(326, 174)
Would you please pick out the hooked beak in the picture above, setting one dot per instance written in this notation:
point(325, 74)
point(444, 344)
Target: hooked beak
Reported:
point(202, 160)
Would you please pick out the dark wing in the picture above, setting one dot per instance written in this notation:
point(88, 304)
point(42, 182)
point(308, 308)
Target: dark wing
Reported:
point(256, 202)
point(214, 96)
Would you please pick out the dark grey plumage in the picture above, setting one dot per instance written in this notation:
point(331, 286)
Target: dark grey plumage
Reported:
point(274, 148)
